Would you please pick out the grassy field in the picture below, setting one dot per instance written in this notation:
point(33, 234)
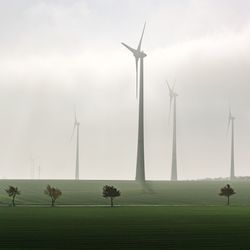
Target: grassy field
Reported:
point(194, 216)
point(157, 193)
point(125, 228)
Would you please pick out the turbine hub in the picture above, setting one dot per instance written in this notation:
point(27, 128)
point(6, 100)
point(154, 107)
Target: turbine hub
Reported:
point(139, 54)
point(142, 54)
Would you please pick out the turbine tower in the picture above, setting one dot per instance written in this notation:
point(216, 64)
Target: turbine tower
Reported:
point(173, 95)
point(231, 122)
point(139, 56)
point(77, 128)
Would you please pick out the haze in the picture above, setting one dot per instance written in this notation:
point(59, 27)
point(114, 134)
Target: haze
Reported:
point(57, 55)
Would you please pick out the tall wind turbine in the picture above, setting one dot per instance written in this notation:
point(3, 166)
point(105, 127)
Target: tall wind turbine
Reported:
point(173, 95)
point(139, 56)
point(231, 122)
point(76, 127)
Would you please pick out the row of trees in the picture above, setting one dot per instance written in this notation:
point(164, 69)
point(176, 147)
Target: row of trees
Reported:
point(108, 192)
point(54, 193)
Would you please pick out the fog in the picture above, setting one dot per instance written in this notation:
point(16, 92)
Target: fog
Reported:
point(57, 56)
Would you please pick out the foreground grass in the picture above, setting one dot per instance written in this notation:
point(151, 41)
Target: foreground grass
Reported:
point(125, 228)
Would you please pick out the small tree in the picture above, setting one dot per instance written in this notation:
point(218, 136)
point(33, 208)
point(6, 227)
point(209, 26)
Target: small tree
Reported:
point(13, 192)
point(227, 191)
point(110, 192)
point(53, 193)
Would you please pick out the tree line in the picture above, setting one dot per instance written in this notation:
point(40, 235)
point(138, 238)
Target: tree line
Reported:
point(108, 192)
point(54, 193)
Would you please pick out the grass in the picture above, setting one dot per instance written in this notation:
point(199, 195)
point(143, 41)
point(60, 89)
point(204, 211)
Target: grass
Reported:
point(125, 228)
point(196, 217)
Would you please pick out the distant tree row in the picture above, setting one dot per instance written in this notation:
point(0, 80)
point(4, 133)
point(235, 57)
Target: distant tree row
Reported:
point(54, 193)
point(108, 192)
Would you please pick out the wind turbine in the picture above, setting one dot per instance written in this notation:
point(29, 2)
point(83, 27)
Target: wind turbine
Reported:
point(231, 122)
point(32, 168)
point(39, 172)
point(173, 95)
point(34, 161)
point(139, 56)
point(76, 127)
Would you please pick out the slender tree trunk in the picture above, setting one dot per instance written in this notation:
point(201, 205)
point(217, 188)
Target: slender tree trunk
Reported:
point(52, 203)
point(228, 200)
point(13, 201)
point(111, 202)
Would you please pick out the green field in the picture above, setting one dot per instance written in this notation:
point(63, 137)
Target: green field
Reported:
point(193, 216)
point(125, 228)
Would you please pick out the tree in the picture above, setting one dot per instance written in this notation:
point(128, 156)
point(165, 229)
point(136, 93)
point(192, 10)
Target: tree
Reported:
point(110, 192)
point(13, 192)
point(53, 193)
point(227, 191)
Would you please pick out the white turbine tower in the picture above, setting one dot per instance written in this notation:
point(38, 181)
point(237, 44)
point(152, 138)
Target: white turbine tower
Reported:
point(77, 128)
point(231, 122)
point(173, 95)
point(140, 164)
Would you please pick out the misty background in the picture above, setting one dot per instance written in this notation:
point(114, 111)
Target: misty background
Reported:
point(57, 55)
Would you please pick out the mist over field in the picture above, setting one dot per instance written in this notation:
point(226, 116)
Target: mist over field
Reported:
point(60, 55)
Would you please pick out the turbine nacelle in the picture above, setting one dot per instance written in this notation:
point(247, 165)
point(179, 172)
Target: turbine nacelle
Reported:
point(140, 54)
point(137, 53)
point(77, 123)
point(173, 94)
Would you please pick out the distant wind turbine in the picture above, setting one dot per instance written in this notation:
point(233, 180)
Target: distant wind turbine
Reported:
point(173, 95)
point(231, 122)
point(139, 56)
point(77, 128)
point(39, 172)
point(33, 167)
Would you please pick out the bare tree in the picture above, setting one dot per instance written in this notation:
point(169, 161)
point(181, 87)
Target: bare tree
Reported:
point(13, 192)
point(53, 193)
point(110, 192)
point(227, 191)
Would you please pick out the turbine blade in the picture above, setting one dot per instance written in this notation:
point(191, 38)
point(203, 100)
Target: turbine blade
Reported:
point(170, 107)
point(174, 84)
point(228, 124)
point(173, 87)
point(73, 132)
point(136, 65)
point(169, 88)
point(129, 48)
point(75, 118)
point(230, 113)
point(170, 101)
point(139, 45)
point(75, 123)
point(229, 119)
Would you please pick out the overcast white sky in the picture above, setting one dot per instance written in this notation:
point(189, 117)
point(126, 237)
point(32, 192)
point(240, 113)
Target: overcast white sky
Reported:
point(57, 54)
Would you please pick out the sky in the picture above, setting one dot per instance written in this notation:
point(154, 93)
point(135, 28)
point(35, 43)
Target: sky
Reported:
point(61, 56)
